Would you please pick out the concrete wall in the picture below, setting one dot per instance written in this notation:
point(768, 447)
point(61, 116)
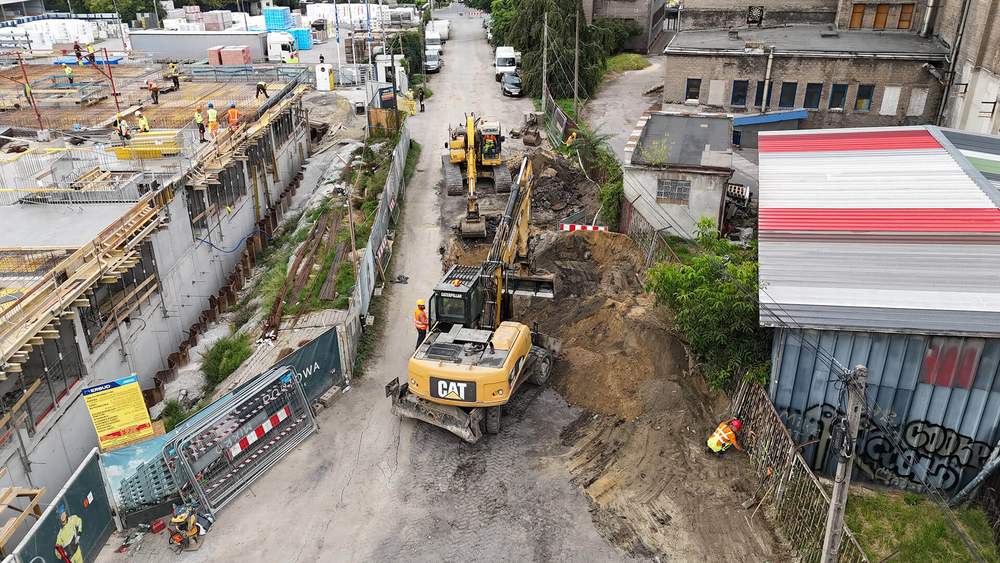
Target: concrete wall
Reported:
point(705, 200)
point(189, 272)
point(906, 76)
point(721, 14)
point(977, 66)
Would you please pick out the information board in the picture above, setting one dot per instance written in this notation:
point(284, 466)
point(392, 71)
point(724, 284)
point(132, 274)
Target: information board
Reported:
point(118, 412)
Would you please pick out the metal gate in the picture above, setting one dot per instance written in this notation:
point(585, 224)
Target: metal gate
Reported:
point(258, 424)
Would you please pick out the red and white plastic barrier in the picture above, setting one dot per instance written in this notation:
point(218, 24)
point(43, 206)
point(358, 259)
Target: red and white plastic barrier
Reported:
point(574, 227)
point(258, 433)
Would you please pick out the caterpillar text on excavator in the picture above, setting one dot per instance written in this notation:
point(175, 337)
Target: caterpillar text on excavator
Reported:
point(474, 159)
point(475, 358)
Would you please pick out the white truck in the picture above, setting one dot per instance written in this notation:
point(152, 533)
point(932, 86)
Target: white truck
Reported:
point(432, 41)
point(280, 46)
point(442, 27)
point(505, 60)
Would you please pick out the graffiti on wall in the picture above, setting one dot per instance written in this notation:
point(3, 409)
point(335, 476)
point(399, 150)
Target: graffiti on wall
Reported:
point(911, 454)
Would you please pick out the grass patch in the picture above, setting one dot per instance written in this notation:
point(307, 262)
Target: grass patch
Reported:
point(344, 283)
point(412, 157)
point(624, 62)
point(885, 522)
point(223, 357)
point(173, 414)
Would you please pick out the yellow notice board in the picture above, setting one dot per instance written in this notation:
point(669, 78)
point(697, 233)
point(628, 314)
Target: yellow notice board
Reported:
point(119, 412)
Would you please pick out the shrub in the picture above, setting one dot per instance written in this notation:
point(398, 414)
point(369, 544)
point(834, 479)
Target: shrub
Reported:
point(223, 357)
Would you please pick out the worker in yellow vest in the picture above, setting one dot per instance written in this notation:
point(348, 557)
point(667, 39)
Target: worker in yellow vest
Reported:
point(143, 122)
point(199, 120)
point(725, 436)
point(69, 73)
point(213, 120)
point(293, 58)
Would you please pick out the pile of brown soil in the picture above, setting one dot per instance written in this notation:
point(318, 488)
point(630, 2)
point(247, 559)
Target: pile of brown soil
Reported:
point(561, 189)
point(638, 450)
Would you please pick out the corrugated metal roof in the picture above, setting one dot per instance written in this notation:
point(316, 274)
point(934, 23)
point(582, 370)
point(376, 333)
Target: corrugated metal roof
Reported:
point(893, 229)
point(773, 117)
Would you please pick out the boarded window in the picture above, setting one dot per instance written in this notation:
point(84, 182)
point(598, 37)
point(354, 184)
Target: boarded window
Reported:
point(838, 96)
point(669, 190)
point(890, 101)
point(857, 16)
point(863, 101)
point(740, 89)
point(918, 99)
point(905, 16)
point(814, 93)
point(716, 92)
point(881, 15)
point(787, 97)
point(692, 90)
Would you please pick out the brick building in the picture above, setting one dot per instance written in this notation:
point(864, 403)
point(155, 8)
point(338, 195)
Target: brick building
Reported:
point(974, 88)
point(842, 79)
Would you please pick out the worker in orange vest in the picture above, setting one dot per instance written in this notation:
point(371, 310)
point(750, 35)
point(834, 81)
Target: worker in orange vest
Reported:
point(233, 115)
point(725, 436)
point(420, 321)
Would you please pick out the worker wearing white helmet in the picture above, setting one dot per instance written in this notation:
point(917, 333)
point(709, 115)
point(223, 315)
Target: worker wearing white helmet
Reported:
point(143, 121)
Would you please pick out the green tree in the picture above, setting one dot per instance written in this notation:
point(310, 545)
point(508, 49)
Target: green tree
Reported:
point(502, 14)
point(714, 299)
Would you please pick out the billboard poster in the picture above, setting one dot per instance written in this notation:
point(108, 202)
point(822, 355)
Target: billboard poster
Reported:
point(118, 412)
point(77, 523)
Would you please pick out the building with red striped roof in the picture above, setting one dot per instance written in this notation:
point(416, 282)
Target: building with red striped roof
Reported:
point(881, 247)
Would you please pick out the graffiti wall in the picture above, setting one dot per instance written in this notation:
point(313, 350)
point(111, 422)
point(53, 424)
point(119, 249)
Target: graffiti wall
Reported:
point(934, 402)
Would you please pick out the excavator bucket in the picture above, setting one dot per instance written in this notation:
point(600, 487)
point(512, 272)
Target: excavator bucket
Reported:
point(466, 425)
point(473, 228)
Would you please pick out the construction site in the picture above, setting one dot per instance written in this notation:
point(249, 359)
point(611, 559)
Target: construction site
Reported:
point(119, 252)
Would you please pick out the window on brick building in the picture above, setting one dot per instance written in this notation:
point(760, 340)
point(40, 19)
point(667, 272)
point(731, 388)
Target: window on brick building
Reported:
point(758, 98)
point(692, 90)
point(838, 96)
point(905, 16)
point(740, 90)
point(857, 16)
point(881, 15)
point(787, 97)
point(863, 102)
point(814, 92)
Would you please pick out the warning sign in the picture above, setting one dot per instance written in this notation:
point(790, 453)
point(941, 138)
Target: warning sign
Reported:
point(119, 412)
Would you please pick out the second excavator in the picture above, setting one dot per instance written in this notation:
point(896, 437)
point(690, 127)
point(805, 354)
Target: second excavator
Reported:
point(474, 160)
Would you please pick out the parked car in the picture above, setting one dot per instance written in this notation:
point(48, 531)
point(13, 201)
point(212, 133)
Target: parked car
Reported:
point(432, 61)
point(510, 85)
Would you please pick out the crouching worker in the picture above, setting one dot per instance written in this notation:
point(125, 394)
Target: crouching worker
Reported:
point(725, 436)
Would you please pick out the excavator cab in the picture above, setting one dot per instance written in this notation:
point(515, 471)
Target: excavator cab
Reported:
point(458, 298)
point(492, 141)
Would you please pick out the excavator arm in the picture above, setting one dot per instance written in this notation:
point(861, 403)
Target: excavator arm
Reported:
point(473, 226)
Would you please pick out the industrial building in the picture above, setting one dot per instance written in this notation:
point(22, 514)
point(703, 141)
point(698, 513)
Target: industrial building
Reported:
point(115, 255)
point(881, 247)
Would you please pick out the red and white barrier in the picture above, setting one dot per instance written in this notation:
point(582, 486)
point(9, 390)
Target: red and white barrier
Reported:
point(574, 227)
point(258, 433)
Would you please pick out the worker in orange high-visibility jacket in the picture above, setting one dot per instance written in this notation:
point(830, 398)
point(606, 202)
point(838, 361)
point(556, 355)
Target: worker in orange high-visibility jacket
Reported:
point(725, 436)
point(420, 321)
point(233, 116)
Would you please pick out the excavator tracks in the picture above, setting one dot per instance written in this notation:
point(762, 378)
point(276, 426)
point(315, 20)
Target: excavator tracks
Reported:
point(453, 181)
point(501, 178)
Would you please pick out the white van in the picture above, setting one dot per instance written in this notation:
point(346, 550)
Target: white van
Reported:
point(432, 41)
point(505, 61)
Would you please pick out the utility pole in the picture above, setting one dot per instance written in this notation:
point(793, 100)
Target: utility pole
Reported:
point(545, 60)
point(576, 62)
point(847, 438)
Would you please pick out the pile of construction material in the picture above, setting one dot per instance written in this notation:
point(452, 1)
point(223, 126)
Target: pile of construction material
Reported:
point(188, 18)
point(48, 33)
point(278, 18)
point(217, 20)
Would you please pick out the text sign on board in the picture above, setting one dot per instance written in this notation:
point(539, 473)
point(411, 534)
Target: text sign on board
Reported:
point(118, 412)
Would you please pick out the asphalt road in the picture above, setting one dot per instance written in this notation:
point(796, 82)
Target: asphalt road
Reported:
point(370, 487)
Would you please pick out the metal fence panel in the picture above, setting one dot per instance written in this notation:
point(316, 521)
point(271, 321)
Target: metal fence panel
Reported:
point(262, 423)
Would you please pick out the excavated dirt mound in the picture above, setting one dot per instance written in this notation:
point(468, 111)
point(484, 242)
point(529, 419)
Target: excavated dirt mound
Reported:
point(638, 450)
point(561, 190)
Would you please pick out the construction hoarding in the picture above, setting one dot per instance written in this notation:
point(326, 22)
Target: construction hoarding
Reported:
point(118, 412)
point(316, 365)
point(78, 522)
point(258, 424)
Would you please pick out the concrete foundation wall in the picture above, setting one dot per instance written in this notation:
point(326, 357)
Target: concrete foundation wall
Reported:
point(907, 76)
point(675, 219)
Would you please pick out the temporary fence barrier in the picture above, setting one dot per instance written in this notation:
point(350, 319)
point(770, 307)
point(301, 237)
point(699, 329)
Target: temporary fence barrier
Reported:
point(262, 421)
point(797, 501)
point(76, 524)
point(574, 227)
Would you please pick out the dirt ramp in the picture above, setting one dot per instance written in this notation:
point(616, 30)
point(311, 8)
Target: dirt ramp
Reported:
point(639, 449)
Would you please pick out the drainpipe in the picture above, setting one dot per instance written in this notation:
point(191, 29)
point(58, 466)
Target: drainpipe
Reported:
point(930, 13)
point(767, 81)
point(954, 62)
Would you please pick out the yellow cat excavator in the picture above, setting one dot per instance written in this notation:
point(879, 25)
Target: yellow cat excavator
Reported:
point(478, 149)
point(475, 358)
